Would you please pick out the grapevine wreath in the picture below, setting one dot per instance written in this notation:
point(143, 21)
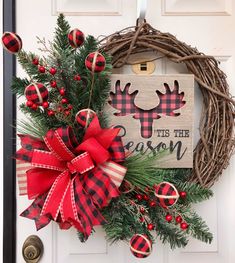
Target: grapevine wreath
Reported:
point(77, 171)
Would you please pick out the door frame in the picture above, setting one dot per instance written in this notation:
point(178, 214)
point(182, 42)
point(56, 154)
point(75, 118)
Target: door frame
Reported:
point(9, 141)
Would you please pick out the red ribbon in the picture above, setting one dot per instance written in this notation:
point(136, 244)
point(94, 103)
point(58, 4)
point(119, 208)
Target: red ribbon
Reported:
point(72, 176)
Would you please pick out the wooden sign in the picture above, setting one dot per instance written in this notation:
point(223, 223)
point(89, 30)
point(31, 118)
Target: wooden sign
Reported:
point(155, 113)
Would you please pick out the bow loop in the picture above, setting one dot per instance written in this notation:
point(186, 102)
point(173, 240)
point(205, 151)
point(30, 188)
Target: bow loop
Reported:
point(71, 182)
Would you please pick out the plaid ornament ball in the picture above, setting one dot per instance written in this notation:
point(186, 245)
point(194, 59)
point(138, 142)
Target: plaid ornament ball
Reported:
point(140, 246)
point(95, 62)
point(76, 38)
point(37, 93)
point(11, 42)
point(84, 117)
point(166, 193)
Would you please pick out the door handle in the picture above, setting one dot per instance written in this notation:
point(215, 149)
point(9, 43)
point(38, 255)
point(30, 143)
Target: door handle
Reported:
point(32, 249)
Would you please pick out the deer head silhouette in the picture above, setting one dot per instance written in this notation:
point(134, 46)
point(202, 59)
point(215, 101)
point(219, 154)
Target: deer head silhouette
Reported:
point(124, 102)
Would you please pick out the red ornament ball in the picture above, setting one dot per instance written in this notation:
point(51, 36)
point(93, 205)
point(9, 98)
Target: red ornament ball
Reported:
point(50, 113)
point(152, 203)
point(183, 225)
point(29, 103)
point(183, 194)
point(84, 117)
point(145, 197)
point(178, 219)
point(41, 69)
point(34, 107)
point(67, 112)
point(140, 246)
point(166, 193)
point(95, 62)
point(52, 71)
point(150, 227)
point(169, 217)
point(11, 42)
point(37, 93)
point(53, 84)
point(62, 91)
point(70, 107)
point(139, 197)
point(64, 101)
point(35, 61)
point(77, 77)
point(76, 38)
point(45, 105)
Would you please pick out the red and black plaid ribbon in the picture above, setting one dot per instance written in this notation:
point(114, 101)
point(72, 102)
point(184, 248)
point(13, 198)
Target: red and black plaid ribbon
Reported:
point(68, 181)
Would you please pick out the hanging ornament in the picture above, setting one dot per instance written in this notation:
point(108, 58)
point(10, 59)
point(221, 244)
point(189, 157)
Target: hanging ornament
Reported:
point(140, 246)
point(37, 93)
point(95, 62)
point(183, 194)
point(35, 61)
point(166, 193)
point(76, 38)
point(11, 42)
point(84, 117)
point(41, 69)
point(53, 71)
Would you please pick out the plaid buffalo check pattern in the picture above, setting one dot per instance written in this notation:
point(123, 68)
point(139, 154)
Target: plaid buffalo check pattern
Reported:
point(124, 102)
point(88, 192)
point(76, 38)
point(11, 42)
point(140, 246)
point(37, 93)
point(166, 194)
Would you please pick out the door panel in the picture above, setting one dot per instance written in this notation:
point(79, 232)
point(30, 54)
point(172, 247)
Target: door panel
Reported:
point(209, 25)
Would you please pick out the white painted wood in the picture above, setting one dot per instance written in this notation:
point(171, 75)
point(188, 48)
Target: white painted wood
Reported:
point(87, 8)
point(209, 25)
point(198, 8)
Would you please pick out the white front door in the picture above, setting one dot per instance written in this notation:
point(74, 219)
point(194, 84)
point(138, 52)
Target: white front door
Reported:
point(209, 25)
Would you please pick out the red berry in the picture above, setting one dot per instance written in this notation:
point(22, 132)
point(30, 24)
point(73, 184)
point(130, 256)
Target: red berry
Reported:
point(41, 69)
point(77, 77)
point(169, 218)
point(146, 197)
point(60, 108)
point(142, 210)
point(29, 103)
point(152, 203)
point(35, 61)
point(178, 219)
point(184, 225)
point(67, 112)
point(53, 84)
point(50, 113)
point(139, 197)
point(45, 104)
point(62, 91)
point(70, 107)
point(150, 226)
point(183, 194)
point(64, 101)
point(34, 106)
point(53, 71)
point(142, 219)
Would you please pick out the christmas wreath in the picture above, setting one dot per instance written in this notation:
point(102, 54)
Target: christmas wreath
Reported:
point(77, 171)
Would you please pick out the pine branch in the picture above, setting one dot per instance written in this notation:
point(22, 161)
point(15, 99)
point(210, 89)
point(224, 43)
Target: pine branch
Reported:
point(198, 228)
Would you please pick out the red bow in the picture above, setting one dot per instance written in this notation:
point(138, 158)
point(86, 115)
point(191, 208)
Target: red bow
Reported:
point(70, 181)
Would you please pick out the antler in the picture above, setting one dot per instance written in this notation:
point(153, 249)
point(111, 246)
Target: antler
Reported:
point(170, 101)
point(123, 101)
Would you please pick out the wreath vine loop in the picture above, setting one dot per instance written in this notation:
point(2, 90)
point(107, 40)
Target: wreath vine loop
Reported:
point(216, 144)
